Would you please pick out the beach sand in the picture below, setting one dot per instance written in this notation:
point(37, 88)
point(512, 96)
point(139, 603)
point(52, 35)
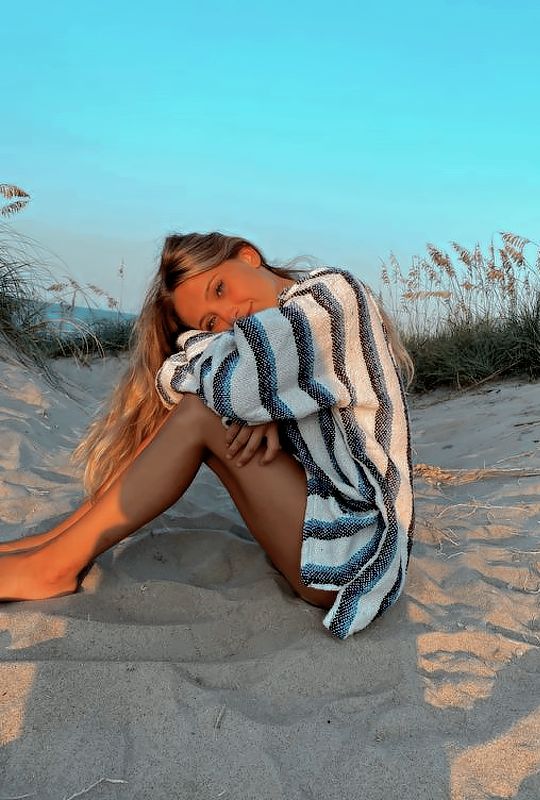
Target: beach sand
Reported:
point(186, 668)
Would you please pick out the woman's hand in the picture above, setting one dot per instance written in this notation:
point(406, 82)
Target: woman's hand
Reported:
point(248, 438)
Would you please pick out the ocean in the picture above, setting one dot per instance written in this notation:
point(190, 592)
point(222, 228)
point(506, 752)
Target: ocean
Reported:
point(83, 314)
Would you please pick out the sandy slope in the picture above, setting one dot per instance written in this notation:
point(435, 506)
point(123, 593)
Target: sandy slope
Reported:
point(187, 669)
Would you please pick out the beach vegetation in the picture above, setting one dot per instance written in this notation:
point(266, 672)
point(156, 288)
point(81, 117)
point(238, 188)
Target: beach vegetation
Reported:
point(17, 199)
point(468, 316)
point(30, 285)
point(464, 315)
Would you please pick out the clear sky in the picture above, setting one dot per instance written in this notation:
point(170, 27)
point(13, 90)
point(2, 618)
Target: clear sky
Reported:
point(344, 130)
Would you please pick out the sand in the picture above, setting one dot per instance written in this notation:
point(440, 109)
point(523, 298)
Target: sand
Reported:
point(186, 668)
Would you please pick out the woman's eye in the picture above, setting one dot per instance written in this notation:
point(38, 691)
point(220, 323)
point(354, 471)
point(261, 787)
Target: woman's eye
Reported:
point(219, 288)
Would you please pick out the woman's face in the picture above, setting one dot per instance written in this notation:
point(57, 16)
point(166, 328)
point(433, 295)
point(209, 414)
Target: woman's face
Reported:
point(240, 286)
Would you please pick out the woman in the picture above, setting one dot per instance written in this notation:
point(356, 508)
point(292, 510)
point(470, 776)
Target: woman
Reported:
point(311, 365)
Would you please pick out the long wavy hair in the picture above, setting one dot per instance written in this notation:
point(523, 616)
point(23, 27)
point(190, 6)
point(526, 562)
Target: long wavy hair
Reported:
point(134, 410)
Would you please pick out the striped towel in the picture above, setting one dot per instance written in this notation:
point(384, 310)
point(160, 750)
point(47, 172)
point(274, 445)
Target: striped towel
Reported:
point(320, 365)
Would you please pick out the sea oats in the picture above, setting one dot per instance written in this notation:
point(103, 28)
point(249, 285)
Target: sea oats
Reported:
point(519, 242)
point(12, 208)
point(463, 255)
point(9, 191)
point(506, 262)
point(495, 275)
point(514, 254)
point(438, 257)
point(424, 295)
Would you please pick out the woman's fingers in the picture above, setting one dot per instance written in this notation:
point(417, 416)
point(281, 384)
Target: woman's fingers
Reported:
point(250, 446)
point(238, 438)
point(244, 441)
point(273, 445)
point(232, 431)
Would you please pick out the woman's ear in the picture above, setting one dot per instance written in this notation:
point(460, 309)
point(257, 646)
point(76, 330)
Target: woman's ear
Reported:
point(249, 254)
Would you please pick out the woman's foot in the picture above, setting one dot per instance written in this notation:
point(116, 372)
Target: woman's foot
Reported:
point(27, 576)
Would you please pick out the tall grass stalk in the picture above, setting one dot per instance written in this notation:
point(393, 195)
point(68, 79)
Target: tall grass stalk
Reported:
point(28, 285)
point(468, 316)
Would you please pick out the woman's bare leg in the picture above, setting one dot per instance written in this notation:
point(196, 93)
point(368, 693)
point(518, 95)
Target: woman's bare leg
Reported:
point(271, 499)
point(36, 539)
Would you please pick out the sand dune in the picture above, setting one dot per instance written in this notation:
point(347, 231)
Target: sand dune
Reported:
point(186, 668)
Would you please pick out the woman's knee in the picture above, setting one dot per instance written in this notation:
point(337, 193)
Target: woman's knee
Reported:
point(188, 401)
point(189, 418)
point(191, 407)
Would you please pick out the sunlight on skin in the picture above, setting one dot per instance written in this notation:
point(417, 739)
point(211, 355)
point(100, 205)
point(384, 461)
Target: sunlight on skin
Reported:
point(239, 286)
point(473, 655)
point(18, 680)
point(499, 767)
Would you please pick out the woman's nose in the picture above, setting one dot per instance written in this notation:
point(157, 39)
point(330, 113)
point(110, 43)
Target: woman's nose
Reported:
point(231, 315)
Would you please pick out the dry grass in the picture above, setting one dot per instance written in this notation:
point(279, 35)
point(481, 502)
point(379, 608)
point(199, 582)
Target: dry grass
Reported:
point(465, 317)
point(436, 475)
point(469, 316)
point(29, 283)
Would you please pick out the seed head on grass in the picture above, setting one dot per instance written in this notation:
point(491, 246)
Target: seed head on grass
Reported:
point(28, 335)
point(9, 191)
point(471, 319)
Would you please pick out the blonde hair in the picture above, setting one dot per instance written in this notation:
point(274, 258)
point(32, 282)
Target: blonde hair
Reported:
point(134, 410)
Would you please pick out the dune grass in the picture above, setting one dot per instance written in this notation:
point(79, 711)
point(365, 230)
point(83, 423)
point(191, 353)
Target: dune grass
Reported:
point(98, 338)
point(468, 317)
point(465, 318)
point(28, 284)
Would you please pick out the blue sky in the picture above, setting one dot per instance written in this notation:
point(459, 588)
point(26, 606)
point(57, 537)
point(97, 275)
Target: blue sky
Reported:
point(343, 130)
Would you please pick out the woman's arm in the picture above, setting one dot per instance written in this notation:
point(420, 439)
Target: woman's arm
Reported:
point(288, 362)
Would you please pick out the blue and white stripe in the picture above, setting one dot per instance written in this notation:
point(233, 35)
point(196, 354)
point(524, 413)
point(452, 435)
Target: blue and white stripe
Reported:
point(320, 364)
